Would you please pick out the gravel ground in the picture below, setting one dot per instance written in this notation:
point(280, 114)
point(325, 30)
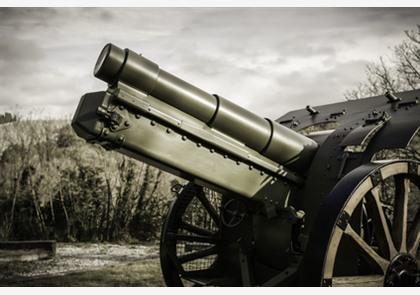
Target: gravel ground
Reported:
point(76, 257)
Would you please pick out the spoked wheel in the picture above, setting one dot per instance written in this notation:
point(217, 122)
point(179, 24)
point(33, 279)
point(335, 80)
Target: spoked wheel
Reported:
point(189, 249)
point(374, 238)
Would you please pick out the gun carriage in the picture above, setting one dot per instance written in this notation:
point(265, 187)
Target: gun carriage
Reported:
point(307, 199)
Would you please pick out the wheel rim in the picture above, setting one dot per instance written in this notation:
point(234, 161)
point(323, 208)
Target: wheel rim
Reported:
point(190, 238)
point(377, 231)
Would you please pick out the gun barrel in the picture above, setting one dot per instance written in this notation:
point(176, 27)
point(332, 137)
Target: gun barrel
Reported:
point(269, 138)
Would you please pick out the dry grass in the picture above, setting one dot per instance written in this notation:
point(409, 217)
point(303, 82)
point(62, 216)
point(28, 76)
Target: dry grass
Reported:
point(144, 273)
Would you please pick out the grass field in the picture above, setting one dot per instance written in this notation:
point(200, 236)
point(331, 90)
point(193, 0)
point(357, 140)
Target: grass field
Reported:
point(104, 265)
point(88, 265)
point(145, 273)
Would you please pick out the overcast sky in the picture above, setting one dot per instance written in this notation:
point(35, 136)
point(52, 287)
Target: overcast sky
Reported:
point(270, 60)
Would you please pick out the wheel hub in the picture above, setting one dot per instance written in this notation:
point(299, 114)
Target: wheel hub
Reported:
point(233, 213)
point(402, 272)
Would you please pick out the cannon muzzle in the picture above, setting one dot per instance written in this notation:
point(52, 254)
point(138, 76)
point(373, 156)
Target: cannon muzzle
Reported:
point(185, 130)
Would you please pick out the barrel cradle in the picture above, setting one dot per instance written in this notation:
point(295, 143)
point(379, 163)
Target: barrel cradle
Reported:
point(296, 201)
point(160, 119)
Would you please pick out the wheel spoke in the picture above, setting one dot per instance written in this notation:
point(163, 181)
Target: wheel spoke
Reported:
point(414, 236)
point(368, 252)
point(381, 228)
point(192, 238)
point(376, 218)
point(208, 206)
point(197, 255)
point(195, 229)
point(399, 226)
point(355, 281)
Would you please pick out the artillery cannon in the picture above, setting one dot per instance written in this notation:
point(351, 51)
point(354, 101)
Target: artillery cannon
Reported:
point(307, 199)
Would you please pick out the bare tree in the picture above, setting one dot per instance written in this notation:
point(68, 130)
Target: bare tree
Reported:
point(54, 185)
point(398, 72)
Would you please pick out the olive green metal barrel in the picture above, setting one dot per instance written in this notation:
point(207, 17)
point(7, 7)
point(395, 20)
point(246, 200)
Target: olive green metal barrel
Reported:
point(267, 137)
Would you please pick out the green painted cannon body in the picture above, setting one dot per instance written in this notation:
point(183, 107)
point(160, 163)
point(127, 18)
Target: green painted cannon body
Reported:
point(266, 198)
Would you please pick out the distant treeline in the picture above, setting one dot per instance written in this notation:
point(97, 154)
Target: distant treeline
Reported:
point(53, 185)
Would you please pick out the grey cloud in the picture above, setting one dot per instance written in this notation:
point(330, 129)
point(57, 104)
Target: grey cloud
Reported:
point(14, 50)
point(47, 55)
point(300, 89)
point(19, 63)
